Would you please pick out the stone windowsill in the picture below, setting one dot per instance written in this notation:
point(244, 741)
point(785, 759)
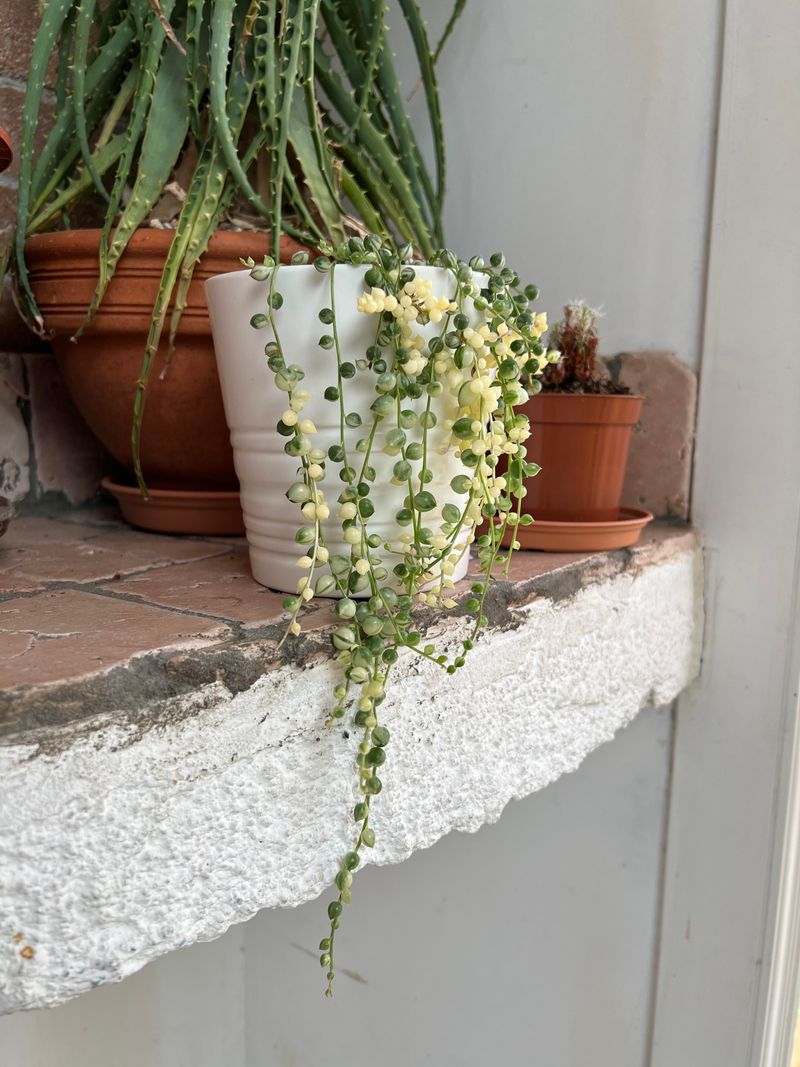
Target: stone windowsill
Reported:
point(164, 768)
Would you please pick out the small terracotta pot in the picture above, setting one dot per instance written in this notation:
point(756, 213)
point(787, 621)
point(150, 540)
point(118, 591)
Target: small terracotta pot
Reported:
point(581, 443)
point(185, 441)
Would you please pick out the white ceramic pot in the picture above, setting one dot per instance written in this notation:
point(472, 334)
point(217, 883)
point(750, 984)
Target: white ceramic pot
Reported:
point(253, 407)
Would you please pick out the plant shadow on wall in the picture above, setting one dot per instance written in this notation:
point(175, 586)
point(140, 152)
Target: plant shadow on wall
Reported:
point(410, 431)
point(178, 121)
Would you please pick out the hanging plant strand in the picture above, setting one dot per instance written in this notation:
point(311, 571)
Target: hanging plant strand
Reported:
point(487, 343)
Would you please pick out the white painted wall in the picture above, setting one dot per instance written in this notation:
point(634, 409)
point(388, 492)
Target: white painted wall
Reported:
point(580, 138)
point(530, 942)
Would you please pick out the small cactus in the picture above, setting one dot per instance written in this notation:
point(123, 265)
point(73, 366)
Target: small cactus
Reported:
point(577, 340)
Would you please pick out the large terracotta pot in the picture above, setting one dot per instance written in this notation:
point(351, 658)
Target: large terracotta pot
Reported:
point(185, 441)
point(581, 443)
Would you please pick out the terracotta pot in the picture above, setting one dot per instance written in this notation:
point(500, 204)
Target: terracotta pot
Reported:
point(6, 151)
point(185, 441)
point(581, 444)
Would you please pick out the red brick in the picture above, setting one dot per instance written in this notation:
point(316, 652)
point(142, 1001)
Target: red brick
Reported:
point(19, 21)
point(660, 463)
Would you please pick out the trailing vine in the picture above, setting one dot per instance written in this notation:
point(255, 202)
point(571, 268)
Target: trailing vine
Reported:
point(472, 373)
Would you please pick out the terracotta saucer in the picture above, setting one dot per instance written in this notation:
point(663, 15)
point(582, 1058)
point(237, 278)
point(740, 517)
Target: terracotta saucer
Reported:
point(179, 511)
point(560, 536)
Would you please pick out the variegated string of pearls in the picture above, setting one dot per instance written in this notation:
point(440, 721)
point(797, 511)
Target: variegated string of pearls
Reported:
point(489, 369)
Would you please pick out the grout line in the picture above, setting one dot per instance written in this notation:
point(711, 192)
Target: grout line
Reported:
point(132, 598)
point(56, 583)
point(97, 587)
point(20, 85)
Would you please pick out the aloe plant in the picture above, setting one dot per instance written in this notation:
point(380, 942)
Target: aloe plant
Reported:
point(301, 94)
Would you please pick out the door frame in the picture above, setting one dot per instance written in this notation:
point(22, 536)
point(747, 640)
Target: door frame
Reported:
point(727, 973)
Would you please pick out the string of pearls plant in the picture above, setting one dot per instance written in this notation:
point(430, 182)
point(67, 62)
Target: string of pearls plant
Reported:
point(480, 364)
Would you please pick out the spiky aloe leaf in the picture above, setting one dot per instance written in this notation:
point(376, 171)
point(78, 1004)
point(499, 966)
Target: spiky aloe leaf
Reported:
point(83, 26)
point(53, 19)
point(61, 148)
point(419, 36)
point(153, 37)
point(177, 250)
point(366, 92)
point(163, 139)
point(295, 199)
point(291, 42)
point(208, 194)
point(221, 32)
point(347, 22)
point(248, 26)
point(64, 51)
point(362, 204)
point(313, 110)
point(169, 30)
point(265, 49)
point(302, 140)
point(103, 158)
point(350, 49)
point(113, 12)
point(455, 15)
point(413, 164)
point(198, 60)
point(364, 173)
point(56, 181)
point(369, 140)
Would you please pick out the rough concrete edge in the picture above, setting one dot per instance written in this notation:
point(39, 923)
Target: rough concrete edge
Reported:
point(650, 698)
point(142, 693)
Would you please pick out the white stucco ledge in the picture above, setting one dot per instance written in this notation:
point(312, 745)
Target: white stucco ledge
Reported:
point(154, 802)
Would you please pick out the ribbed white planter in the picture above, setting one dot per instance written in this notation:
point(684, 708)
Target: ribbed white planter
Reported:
point(253, 406)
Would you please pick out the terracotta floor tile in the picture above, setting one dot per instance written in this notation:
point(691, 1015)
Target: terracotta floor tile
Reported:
point(25, 532)
point(11, 583)
point(62, 634)
point(96, 515)
point(531, 564)
point(525, 565)
point(54, 551)
point(221, 586)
